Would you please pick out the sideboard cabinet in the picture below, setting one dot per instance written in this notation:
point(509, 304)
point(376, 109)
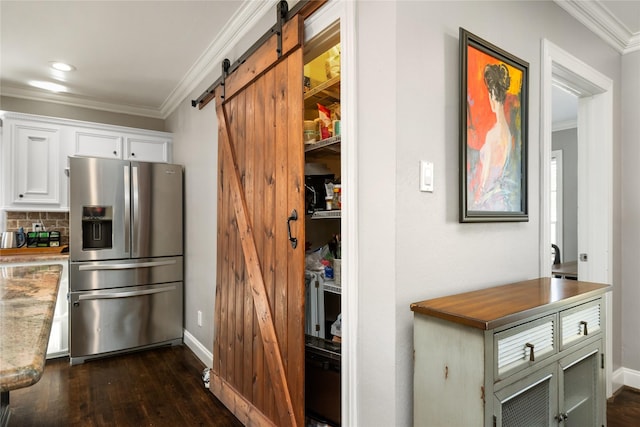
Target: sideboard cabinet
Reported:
point(525, 354)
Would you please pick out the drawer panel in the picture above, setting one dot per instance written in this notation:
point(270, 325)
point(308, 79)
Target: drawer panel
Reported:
point(581, 322)
point(514, 347)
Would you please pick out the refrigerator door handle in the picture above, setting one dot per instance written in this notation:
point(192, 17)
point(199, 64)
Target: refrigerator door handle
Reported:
point(127, 210)
point(136, 208)
point(125, 294)
point(126, 266)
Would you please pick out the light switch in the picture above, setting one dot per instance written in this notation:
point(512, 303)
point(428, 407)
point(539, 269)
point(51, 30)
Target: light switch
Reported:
point(426, 176)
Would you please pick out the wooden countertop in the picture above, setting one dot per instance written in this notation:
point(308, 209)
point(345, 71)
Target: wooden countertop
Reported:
point(493, 307)
point(18, 255)
point(27, 301)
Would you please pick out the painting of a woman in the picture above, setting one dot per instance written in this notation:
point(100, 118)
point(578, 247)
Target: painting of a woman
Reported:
point(495, 153)
point(493, 139)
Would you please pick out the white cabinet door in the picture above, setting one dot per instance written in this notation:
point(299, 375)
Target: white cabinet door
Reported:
point(147, 149)
point(36, 169)
point(94, 143)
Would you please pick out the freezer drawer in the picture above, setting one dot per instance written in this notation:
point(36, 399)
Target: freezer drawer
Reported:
point(113, 320)
point(95, 275)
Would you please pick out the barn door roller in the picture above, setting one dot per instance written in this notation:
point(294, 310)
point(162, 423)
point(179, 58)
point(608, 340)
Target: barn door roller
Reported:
point(283, 9)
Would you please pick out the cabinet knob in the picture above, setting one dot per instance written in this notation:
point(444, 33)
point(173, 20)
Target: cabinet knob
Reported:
point(21, 195)
point(133, 154)
point(115, 153)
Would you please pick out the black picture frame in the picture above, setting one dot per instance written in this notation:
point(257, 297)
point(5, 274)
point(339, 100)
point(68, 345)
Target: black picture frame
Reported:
point(494, 95)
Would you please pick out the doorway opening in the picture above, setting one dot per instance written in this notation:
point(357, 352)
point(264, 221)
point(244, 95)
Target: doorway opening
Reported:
point(594, 92)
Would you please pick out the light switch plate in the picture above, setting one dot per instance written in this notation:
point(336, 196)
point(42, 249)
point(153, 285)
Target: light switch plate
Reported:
point(426, 176)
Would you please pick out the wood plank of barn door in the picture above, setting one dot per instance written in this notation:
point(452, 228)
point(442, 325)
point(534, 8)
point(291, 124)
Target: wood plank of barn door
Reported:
point(234, 251)
point(241, 148)
point(253, 163)
point(282, 211)
point(295, 181)
point(267, 82)
point(254, 275)
point(224, 227)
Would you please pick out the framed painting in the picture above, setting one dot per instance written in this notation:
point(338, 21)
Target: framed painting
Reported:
point(493, 132)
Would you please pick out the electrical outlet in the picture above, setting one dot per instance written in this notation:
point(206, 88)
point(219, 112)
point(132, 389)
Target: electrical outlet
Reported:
point(199, 318)
point(36, 226)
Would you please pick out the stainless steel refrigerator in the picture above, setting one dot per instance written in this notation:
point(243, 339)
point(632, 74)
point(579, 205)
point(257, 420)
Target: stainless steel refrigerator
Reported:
point(125, 253)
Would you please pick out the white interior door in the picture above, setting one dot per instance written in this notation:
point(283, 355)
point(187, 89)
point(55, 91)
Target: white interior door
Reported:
point(594, 187)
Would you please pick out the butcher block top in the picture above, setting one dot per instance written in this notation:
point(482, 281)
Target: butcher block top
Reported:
point(21, 255)
point(497, 306)
point(27, 301)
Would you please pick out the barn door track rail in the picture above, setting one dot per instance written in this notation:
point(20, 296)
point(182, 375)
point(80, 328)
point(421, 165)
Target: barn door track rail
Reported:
point(303, 7)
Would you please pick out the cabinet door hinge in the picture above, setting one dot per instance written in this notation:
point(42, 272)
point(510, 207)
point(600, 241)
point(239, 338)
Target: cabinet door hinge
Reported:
point(602, 360)
point(317, 328)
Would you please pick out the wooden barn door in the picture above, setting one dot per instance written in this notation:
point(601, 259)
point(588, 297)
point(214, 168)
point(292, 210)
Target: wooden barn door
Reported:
point(258, 363)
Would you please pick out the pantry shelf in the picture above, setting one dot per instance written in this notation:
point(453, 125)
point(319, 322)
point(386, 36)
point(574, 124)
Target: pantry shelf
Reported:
point(331, 144)
point(325, 93)
point(326, 214)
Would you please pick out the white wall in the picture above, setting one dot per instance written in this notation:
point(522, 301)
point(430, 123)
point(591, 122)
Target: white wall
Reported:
point(434, 254)
point(411, 246)
point(631, 212)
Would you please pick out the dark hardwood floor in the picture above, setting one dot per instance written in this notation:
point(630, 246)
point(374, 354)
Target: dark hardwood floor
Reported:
point(160, 387)
point(623, 408)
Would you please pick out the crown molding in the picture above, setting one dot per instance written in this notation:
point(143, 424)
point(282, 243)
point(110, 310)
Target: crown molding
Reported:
point(567, 124)
point(211, 59)
point(75, 101)
point(597, 18)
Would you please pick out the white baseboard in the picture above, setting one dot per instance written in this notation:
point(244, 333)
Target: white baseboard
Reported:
point(198, 349)
point(617, 380)
point(624, 376)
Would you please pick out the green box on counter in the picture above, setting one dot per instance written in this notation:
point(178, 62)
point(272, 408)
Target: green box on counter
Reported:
point(54, 238)
point(32, 239)
point(43, 239)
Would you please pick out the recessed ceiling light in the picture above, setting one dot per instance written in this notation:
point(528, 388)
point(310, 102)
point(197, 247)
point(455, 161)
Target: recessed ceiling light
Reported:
point(61, 66)
point(53, 87)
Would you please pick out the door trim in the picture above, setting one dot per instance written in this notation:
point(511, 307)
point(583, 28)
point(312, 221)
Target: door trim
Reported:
point(345, 12)
point(595, 135)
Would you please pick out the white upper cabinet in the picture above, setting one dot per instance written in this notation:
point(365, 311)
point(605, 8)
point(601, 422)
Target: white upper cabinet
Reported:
point(144, 146)
point(35, 152)
point(92, 143)
point(35, 171)
point(147, 149)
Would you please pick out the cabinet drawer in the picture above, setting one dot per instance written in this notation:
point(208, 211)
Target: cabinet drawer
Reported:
point(522, 346)
point(579, 323)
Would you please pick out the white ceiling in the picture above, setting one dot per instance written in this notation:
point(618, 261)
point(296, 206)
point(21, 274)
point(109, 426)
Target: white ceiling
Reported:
point(136, 57)
point(143, 57)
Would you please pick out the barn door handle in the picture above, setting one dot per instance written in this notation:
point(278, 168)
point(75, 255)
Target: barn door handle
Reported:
point(292, 217)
